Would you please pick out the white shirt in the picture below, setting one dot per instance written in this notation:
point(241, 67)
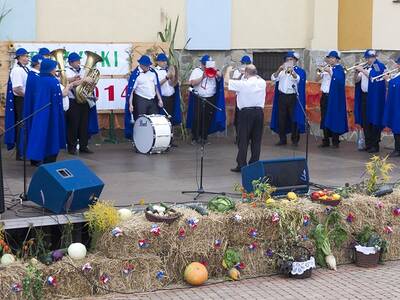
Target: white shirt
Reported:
point(326, 82)
point(250, 92)
point(364, 80)
point(236, 74)
point(18, 77)
point(65, 99)
point(286, 81)
point(145, 85)
point(166, 89)
point(207, 87)
point(71, 72)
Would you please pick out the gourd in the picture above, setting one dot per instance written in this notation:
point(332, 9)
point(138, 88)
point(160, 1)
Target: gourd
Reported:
point(77, 251)
point(195, 274)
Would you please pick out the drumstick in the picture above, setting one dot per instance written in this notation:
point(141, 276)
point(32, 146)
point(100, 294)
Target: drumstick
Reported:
point(132, 119)
point(168, 115)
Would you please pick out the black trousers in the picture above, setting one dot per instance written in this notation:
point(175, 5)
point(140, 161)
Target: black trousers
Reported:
point(236, 121)
point(250, 126)
point(327, 132)
point(169, 103)
point(18, 113)
point(396, 142)
point(372, 133)
point(198, 117)
point(143, 106)
point(77, 124)
point(286, 109)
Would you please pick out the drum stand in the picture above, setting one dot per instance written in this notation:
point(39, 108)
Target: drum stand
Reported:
point(200, 191)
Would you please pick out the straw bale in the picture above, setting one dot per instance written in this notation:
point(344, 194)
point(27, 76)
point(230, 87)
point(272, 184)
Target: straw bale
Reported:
point(9, 275)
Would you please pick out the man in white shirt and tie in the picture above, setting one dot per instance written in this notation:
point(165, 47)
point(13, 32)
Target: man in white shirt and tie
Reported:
point(288, 81)
point(250, 102)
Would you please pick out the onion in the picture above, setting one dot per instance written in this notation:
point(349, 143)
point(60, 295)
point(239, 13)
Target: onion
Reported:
point(125, 214)
point(331, 262)
point(77, 251)
point(7, 259)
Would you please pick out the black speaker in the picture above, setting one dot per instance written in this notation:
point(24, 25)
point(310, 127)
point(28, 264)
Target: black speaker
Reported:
point(285, 174)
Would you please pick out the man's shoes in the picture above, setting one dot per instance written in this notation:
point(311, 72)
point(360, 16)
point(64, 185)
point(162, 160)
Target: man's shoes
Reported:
point(335, 146)
point(280, 143)
point(366, 149)
point(35, 163)
point(395, 154)
point(323, 145)
point(295, 144)
point(236, 170)
point(72, 151)
point(373, 150)
point(194, 142)
point(86, 150)
point(174, 145)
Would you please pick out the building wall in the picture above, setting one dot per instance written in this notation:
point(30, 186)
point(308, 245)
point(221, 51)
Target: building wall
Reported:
point(325, 26)
point(386, 29)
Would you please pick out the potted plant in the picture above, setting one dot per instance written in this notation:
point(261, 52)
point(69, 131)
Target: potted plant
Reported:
point(369, 248)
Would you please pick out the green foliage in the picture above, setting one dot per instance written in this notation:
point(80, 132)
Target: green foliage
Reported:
point(231, 258)
point(262, 189)
point(378, 170)
point(66, 235)
point(370, 238)
point(32, 284)
point(221, 204)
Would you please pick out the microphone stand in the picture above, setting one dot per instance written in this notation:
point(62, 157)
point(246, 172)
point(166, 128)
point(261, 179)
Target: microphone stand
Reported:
point(23, 196)
point(200, 190)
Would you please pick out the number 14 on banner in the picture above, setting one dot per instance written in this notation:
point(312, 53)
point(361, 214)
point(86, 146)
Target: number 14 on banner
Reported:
point(111, 93)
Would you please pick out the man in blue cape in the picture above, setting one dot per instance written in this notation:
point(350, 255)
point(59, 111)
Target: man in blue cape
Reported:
point(47, 135)
point(391, 117)
point(289, 105)
point(211, 88)
point(45, 52)
point(143, 90)
point(15, 100)
point(333, 101)
point(369, 100)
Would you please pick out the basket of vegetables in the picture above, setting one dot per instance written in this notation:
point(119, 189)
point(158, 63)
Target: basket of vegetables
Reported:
point(369, 248)
point(326, 197)
point(297, 263)
point(161, 213)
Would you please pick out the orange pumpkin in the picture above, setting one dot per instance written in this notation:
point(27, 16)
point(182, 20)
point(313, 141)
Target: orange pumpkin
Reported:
point(195, 274)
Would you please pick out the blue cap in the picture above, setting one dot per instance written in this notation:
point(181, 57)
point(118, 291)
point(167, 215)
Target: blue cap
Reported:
point(73, 56)
point(292, 54)
point(161, 57)
point(334, 54)
point(36, 59)
point(47, 65)
point(369, 53)
point(145, 60)
point(20, 52)
point(246, 59)
point(398, 60)
point(44, 51)
point(204, 59)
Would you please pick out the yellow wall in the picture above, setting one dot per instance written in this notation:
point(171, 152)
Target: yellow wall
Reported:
point(325, 25)
point(355, 24)
point(386, 29)
point(106, 20)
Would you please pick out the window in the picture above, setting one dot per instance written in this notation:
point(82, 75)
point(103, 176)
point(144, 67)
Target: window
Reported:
point(267, 63)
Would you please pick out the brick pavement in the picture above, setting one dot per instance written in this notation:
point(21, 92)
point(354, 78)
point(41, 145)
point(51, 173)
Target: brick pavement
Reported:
point(349, 282)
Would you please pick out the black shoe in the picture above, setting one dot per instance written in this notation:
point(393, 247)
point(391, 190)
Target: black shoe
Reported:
point(281, 143)
point(335, 146)
point(194, 142)
point(373, 150)
point(366, 149)
point(295, 144)
point(86, 150)
point(395, 154)
point(236, 170)
point(323, 145)
point(72, 151)
point(35, 163)
point(174, 145)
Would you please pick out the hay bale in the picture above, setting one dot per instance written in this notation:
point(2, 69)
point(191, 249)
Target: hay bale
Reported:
point(9, 275)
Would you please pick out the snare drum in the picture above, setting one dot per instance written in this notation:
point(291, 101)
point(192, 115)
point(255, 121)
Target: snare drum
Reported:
point(152, 134)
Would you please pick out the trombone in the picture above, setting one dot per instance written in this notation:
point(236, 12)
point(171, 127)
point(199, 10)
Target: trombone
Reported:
point(360, 64)
point(392, 73)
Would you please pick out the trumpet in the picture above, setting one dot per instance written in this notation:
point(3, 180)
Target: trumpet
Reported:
point(289, 70)
point(360, 64)
point(392, 74)
point(321, 69)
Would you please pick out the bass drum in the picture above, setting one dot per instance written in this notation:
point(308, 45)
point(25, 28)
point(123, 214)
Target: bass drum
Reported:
point(152, 134)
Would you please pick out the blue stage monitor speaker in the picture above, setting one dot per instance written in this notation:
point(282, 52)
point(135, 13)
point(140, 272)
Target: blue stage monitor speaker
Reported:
point(64, 186)
point(286, 175)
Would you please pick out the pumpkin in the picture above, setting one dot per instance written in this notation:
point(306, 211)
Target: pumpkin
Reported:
point(125, 214)
point(77, 251)
point(195, 274)
point(234, 274)
point(7, 259)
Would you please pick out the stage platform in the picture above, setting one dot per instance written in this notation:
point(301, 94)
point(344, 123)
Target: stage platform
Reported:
point(130, 177)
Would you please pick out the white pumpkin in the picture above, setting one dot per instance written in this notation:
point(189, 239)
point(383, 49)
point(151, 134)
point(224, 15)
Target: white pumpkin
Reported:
point(77, 251)
point(7, 259)
point(125, 214)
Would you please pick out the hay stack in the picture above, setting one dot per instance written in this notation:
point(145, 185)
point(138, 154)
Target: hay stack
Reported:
point(9, 275)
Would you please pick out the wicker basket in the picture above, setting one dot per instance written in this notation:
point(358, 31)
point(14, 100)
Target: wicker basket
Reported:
point(366, 261)
point(162, 219)
point(307, 273)
point(330, 202)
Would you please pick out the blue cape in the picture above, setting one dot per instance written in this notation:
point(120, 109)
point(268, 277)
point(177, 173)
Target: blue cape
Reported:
point(127, 117)
point(177, 112)
point(298, 117)
point(29, 102)
point(93, 127)
point(336, 113)
point(9, 137)
point(376, 97)
point(391, 117)
point(218, 123)
point(47, 134)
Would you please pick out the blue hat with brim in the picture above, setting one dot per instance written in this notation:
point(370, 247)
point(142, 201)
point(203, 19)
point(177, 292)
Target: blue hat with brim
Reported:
point(334, 54)
point(44, 51)
point(47, 65)
point(20, 52)
point(369, 53)
point(292, 54)
point(145, 60)
point(73, 56)
point(161, 57)
point(246, 59)
point(204, 59)
point(36, 59)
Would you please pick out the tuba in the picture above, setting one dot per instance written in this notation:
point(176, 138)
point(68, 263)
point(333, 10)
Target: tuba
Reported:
point(86, 88)
point(58, 56)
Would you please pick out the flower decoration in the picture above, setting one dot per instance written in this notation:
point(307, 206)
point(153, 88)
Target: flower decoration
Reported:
point(192, 222)
point(379, 205)
point(155, 230)
point(142, 202)
point(143, 244)
point(116, 232)
point(16, 287)
point(306, 220)
point(128, 269)
point(204, 263)
point(304, 237)
point(237, 218)
point(253, 232)
point(275, 217)
point(240, 266)
point(160, 275)
point(269, 253)
point(328, 210)
point(217, 244)
point(396, 211)
point(51, 280)
point(104, 278)
point(350, 217)
point(181, 233)
point(86, 267)
point(388, 229)
point(253, 246)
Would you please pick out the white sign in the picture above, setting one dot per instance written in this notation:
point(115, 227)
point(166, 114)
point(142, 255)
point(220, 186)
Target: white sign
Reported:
point(111, 93)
